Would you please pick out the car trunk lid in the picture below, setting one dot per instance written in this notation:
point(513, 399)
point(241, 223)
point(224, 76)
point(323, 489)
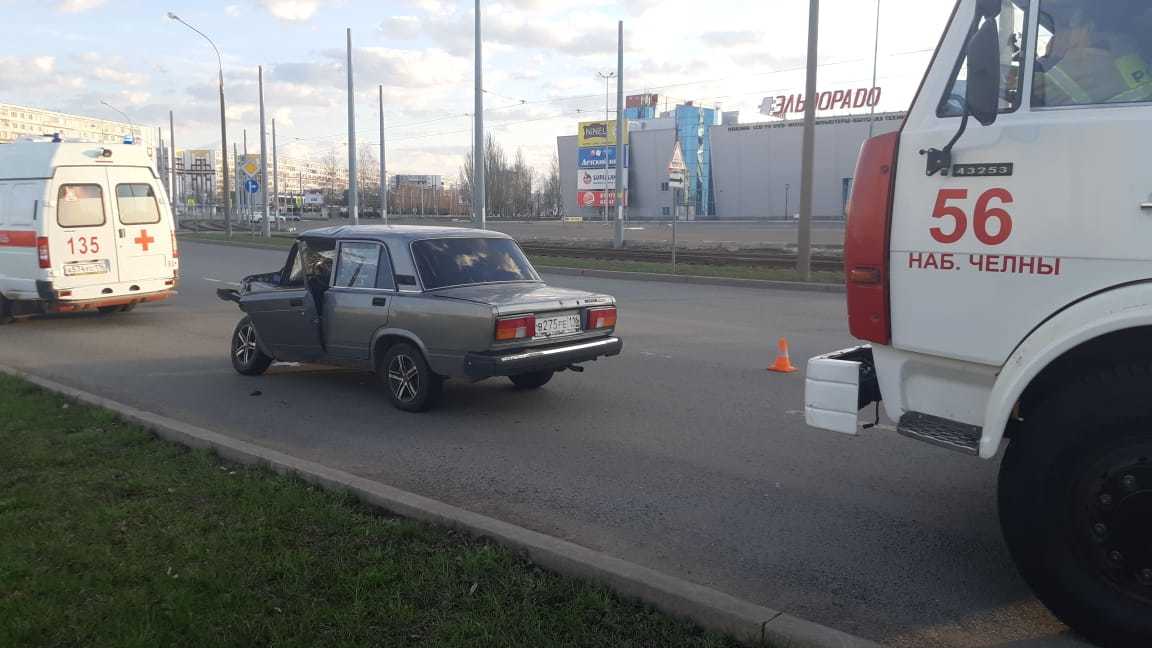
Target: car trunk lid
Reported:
point(524, 297)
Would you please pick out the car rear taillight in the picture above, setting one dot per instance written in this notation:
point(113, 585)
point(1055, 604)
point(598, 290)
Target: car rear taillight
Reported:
point(42, 252)
point(866, 239)
point(175, 247)
point(516, 328)
point(601, 318)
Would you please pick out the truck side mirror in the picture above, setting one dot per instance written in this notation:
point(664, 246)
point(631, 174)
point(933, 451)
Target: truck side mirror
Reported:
point(982, 92)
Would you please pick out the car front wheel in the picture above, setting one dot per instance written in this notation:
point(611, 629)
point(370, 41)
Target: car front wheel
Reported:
point(247, 358)
point(534, 380)
point(411, 384)
point(6, 309)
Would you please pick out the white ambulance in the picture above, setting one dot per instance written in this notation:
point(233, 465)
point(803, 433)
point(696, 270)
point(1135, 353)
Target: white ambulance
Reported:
point(999, 261)
point(82, 227)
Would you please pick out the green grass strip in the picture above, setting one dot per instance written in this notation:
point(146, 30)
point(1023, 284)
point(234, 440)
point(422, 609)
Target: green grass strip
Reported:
point(110, 537)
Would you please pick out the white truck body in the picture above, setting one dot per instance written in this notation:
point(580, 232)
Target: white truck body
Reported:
point(82, 226)
point(1009, 275)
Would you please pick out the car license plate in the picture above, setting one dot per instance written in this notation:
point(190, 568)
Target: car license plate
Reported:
point(566, 324)
point(85, 268)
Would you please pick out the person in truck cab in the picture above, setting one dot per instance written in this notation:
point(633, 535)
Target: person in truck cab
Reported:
point(1094, 56)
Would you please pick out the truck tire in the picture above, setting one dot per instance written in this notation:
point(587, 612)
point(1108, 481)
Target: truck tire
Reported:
point(534, 380)
point(1076, 504)
point(247, 357)
point(409, 381)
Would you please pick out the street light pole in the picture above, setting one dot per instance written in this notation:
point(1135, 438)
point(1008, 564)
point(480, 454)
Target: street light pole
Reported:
point(353, 198)
point(131, 125)
point(620, 132)
point(804, 238)
point(264, 193)
point(479, 199)
point(383, 171)
point(607, 76)
point(875, 64)
point(223, 127)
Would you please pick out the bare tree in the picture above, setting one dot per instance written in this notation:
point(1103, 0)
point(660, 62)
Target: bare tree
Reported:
point(332, 167)
point(368, 178)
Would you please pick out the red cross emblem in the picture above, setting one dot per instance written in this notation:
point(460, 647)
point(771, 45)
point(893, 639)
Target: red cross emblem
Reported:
point(144, 240)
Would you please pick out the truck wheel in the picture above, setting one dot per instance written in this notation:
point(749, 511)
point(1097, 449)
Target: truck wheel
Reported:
point(247, 358)
point(6, 308)
point(409, 380)
point(534, 380)
point(1076, 504)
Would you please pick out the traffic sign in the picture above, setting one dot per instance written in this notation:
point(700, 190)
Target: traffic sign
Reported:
point(251, 168)
point(251, 186)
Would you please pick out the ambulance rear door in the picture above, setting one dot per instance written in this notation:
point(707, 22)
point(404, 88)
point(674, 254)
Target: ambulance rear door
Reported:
point(82, 228)
point(143, 224)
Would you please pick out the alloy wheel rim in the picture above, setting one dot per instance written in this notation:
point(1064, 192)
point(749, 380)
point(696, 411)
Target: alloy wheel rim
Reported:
point(245, 345)
point(1115, 515)
point(403, 378)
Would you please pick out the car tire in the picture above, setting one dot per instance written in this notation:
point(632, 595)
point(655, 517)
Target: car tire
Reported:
point(128, 308)
point(6, 310)
point(247, 357)
point(109, 309)
point(534, 380)
point(1076, 504)
point(409, 381)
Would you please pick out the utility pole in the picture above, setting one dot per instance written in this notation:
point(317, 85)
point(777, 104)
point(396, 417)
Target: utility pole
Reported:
point(383, 172)
point(172, 164)
point(264, 193)
point(236, 161)
point(620, 130)
point(244, 196)
point(479, 199)
point(275, 178)
point(607, 76)
point(353, 199)
point(804, 247)
point(875, 64)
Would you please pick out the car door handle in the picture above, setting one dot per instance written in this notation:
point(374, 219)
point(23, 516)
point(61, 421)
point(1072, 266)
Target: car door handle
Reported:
point(1147, 205)
point(379, 301)
point(295, 302)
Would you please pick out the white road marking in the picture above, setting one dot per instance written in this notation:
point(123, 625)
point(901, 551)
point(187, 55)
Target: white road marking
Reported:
point(219, 281)
point(655, 355)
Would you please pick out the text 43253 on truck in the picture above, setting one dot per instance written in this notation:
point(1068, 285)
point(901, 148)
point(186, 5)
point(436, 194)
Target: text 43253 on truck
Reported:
point(999, 262)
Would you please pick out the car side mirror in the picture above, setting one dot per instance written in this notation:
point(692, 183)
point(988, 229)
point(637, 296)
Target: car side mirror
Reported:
point(982, 93)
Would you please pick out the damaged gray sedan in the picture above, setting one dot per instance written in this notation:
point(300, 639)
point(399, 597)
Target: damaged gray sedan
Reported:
point(418, 305)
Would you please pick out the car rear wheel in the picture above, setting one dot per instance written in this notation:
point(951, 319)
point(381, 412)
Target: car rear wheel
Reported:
point(247, 358)
point(411, 384)
point(1076, 504)
point(534, 380)
point(109, 309)
point(128, 308)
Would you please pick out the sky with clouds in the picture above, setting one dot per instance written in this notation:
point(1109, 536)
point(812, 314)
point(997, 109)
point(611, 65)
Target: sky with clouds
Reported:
point(541, 61)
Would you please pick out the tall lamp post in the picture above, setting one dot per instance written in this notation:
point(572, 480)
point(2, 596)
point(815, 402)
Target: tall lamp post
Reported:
point(223, 127)
point(131, 124)
point(607, 76)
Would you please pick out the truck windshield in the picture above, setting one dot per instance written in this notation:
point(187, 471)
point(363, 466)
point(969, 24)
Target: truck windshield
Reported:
point(462, 261)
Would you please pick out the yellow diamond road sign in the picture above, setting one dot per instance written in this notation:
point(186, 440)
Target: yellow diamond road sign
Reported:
point(251, 168)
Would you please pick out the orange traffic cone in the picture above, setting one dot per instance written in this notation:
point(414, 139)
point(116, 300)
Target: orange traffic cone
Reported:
point(783, 363)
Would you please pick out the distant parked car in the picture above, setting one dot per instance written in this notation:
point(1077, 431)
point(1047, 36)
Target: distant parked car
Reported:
point(418, 305)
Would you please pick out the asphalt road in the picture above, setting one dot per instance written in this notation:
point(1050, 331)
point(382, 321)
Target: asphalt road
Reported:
point(683, 454)
point(696, 234)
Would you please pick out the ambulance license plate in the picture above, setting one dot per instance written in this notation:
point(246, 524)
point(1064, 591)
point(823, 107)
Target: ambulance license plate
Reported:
point(85, 268)
point(565, 324)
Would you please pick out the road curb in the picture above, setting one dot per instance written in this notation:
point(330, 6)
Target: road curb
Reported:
point(709, 608)
point(731, 282)
point(760, 284)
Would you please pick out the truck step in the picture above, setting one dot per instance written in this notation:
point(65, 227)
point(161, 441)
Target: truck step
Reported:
point(942, 432)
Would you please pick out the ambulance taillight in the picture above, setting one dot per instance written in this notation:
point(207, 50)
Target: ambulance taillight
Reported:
point(42, 252)
point(866, 239)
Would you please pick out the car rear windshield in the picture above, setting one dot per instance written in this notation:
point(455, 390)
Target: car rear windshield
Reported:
point(462, 261)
